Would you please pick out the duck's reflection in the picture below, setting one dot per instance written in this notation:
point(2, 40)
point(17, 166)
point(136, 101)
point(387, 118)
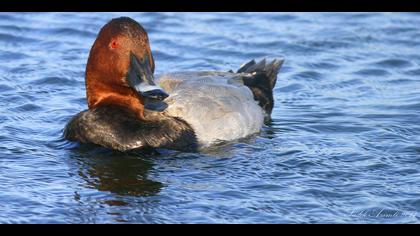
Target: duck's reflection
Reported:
point(119, 173)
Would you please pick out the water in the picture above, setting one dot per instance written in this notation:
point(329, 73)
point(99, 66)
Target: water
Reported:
point(343, 146)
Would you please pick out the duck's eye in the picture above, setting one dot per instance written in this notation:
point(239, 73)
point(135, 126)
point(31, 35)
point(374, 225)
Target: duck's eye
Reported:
point(114, 44)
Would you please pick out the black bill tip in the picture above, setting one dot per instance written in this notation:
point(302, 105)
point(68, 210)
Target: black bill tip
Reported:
point(153, 99)
point(156, 94)
point(155, 105)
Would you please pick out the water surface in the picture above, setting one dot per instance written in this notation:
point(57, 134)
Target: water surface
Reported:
point(343, 146)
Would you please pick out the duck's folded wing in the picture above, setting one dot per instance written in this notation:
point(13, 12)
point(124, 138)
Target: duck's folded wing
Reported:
point(216, 111)
point(171, 81)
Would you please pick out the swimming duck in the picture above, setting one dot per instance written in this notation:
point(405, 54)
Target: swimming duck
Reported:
point(130, 109)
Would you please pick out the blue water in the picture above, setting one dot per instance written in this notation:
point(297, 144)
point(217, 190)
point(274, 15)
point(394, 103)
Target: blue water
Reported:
point(343, 146)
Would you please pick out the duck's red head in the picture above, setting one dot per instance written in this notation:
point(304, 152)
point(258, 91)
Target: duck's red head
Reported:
point(120, 69)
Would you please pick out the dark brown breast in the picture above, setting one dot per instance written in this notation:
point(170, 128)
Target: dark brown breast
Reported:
point(116, 128)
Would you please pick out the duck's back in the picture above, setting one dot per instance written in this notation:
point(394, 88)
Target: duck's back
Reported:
point(217, 105)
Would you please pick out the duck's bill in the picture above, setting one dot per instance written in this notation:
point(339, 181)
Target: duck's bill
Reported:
point(140, 78)
point(151, 91)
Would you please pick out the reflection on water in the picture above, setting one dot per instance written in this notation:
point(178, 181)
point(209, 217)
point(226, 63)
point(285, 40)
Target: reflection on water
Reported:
point(119, 173)
point(342, 147)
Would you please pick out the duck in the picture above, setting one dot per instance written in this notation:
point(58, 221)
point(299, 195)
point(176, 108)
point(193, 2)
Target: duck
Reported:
point(131, 108)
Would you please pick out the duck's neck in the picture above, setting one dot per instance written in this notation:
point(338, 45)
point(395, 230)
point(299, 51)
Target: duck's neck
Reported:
point(122, 97)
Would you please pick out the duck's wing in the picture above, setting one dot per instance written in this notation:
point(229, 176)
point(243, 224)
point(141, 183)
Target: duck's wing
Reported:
point(217, 105)
point(171, 81)
point(260, 77)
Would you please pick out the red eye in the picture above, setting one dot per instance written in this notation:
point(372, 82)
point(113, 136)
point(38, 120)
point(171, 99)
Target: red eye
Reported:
point(114, 44)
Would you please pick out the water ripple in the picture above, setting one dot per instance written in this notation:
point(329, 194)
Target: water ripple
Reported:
point(343, 145)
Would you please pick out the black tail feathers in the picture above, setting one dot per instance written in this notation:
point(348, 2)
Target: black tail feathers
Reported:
point(261, 78)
